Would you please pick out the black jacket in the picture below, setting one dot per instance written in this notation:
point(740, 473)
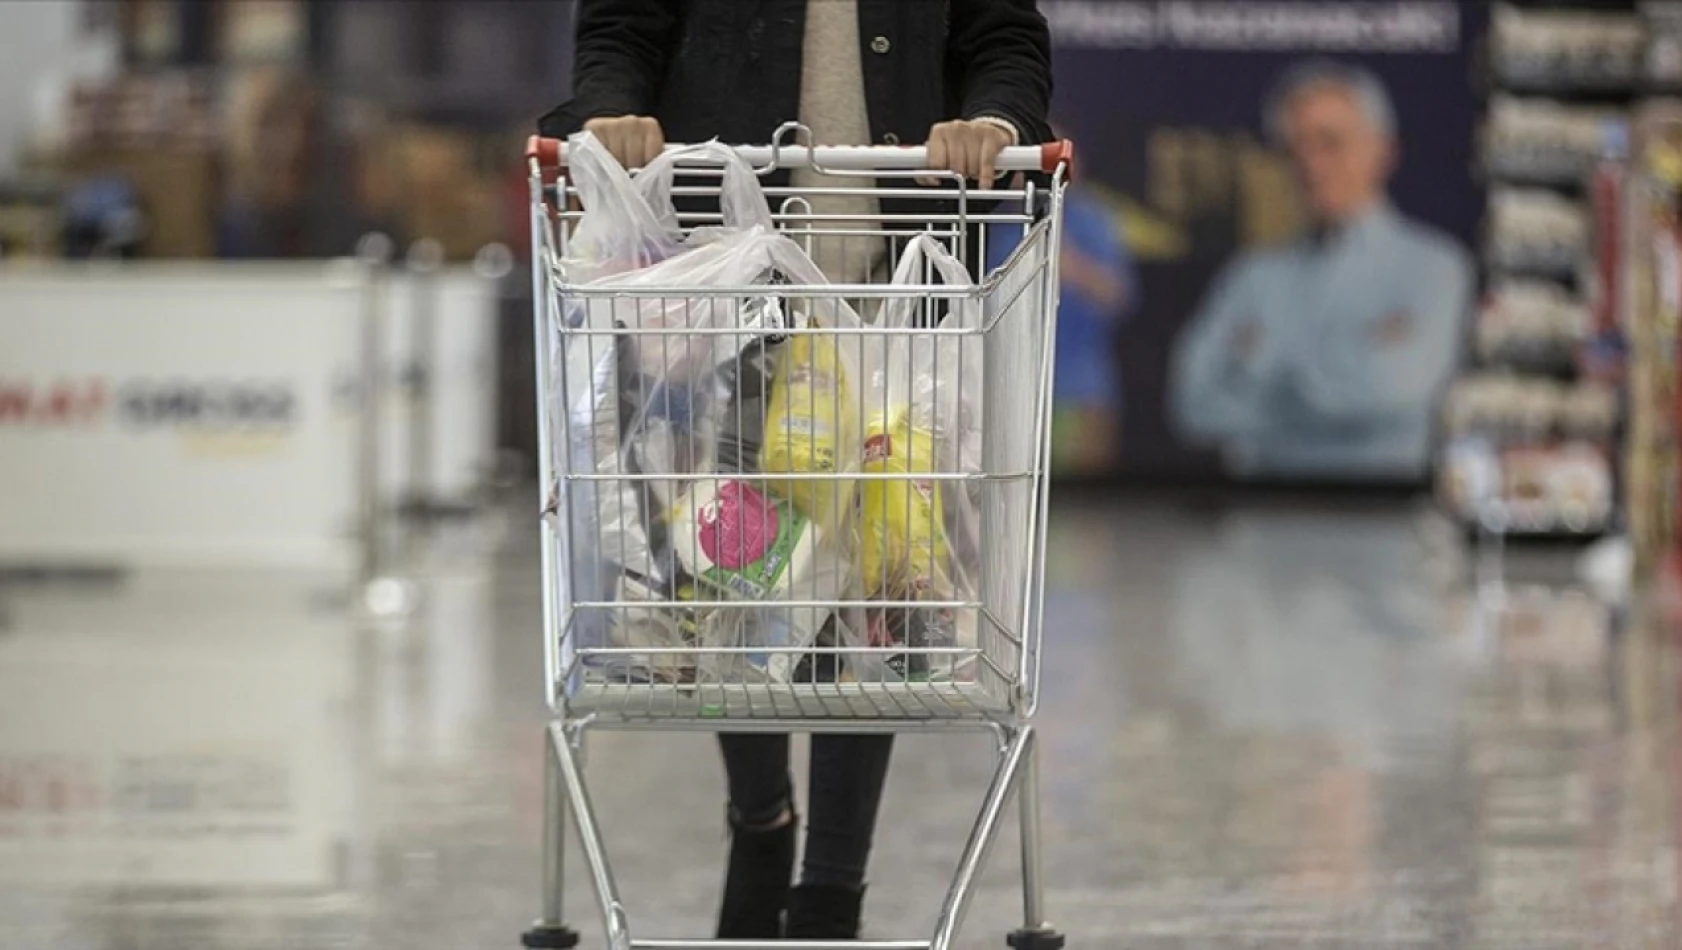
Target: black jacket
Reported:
point(731, 68)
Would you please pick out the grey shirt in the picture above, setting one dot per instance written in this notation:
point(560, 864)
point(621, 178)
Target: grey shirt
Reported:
point(832, 105)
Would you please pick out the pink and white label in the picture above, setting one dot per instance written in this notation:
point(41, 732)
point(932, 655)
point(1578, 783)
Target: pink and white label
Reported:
point(737, 527)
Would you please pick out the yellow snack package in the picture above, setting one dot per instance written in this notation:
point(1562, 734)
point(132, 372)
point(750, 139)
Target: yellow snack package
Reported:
point(902, 525)
point(807, 420)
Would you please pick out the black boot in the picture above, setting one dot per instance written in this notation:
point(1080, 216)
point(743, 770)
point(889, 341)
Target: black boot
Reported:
point(824, 911)
point(756, 890)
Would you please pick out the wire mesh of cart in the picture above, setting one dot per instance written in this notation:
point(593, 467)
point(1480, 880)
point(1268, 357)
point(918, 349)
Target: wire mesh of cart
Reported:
point(837, 521)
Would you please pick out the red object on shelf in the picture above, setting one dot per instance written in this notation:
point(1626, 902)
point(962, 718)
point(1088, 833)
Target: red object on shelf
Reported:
point(1607, 197)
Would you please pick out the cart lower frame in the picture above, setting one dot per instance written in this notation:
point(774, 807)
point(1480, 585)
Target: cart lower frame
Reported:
point(567, 802)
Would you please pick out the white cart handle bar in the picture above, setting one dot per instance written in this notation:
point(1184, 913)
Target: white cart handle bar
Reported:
point(550, 154)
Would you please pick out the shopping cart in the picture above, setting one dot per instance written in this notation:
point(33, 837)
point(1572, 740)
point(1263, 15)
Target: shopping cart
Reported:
point(985, 679)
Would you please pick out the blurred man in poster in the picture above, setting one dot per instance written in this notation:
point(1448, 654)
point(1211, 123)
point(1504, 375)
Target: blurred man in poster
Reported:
point(1322, 358)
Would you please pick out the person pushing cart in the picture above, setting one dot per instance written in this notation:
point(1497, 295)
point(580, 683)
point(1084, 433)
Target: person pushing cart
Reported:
point(885, 611)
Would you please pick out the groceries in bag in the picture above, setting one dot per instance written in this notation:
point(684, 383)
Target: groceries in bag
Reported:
point(807, 423)
point(747, 380)
point(665, 632)
point(740, 543)
point(902, 532)
point(902, 549)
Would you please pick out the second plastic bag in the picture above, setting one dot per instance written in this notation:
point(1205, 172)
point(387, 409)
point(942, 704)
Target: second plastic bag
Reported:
point(925, 395)
point(917, 537)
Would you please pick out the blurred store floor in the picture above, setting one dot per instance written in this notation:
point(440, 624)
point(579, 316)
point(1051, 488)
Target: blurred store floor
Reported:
point(1265, 727)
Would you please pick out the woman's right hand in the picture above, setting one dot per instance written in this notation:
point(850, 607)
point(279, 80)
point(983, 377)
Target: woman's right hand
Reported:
point(633, 139)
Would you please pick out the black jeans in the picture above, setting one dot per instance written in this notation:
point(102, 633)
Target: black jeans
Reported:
point(846, 778)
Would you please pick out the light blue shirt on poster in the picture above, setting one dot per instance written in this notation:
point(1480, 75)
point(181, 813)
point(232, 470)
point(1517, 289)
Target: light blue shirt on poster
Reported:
point(1324, 356)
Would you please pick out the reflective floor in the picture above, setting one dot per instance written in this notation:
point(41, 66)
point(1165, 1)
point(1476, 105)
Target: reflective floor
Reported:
point(1264, 727)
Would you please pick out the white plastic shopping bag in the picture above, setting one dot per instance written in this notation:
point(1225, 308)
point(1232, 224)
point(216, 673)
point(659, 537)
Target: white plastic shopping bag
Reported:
point(917, 538)
point(656, 317)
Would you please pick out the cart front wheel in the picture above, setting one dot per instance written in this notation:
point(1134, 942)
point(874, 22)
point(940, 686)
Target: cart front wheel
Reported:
point(549, 937)
point(1035, 940)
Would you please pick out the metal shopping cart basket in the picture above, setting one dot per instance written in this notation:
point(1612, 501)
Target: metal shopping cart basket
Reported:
point(985, 677)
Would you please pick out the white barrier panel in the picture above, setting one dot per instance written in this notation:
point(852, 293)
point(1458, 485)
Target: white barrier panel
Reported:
point(184, 735)
point(184, 414)
point(463, 381)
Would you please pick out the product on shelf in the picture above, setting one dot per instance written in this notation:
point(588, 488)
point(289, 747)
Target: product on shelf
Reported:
point(1530, 322)
point(1607, 197)
point(1532, 428)
point(1563, 48)
point(1589, 411)
point(1664, 43)
point(1470, 478)
point(1532, 229)
point(1564, 488)
point(1544, 139)
point(1579, 486)
point(1509, 408)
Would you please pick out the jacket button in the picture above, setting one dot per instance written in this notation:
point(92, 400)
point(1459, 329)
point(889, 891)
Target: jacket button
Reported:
point(880, 45)
point(890, 139)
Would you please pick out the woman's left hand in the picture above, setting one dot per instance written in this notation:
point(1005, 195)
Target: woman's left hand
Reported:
point(968, 148)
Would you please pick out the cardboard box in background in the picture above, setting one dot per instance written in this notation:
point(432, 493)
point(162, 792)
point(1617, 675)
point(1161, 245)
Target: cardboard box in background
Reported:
point(30, 225)
point(179, 190)
point(444, 184)
point(268, 158)
point(160, 133)
point(169, 108)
